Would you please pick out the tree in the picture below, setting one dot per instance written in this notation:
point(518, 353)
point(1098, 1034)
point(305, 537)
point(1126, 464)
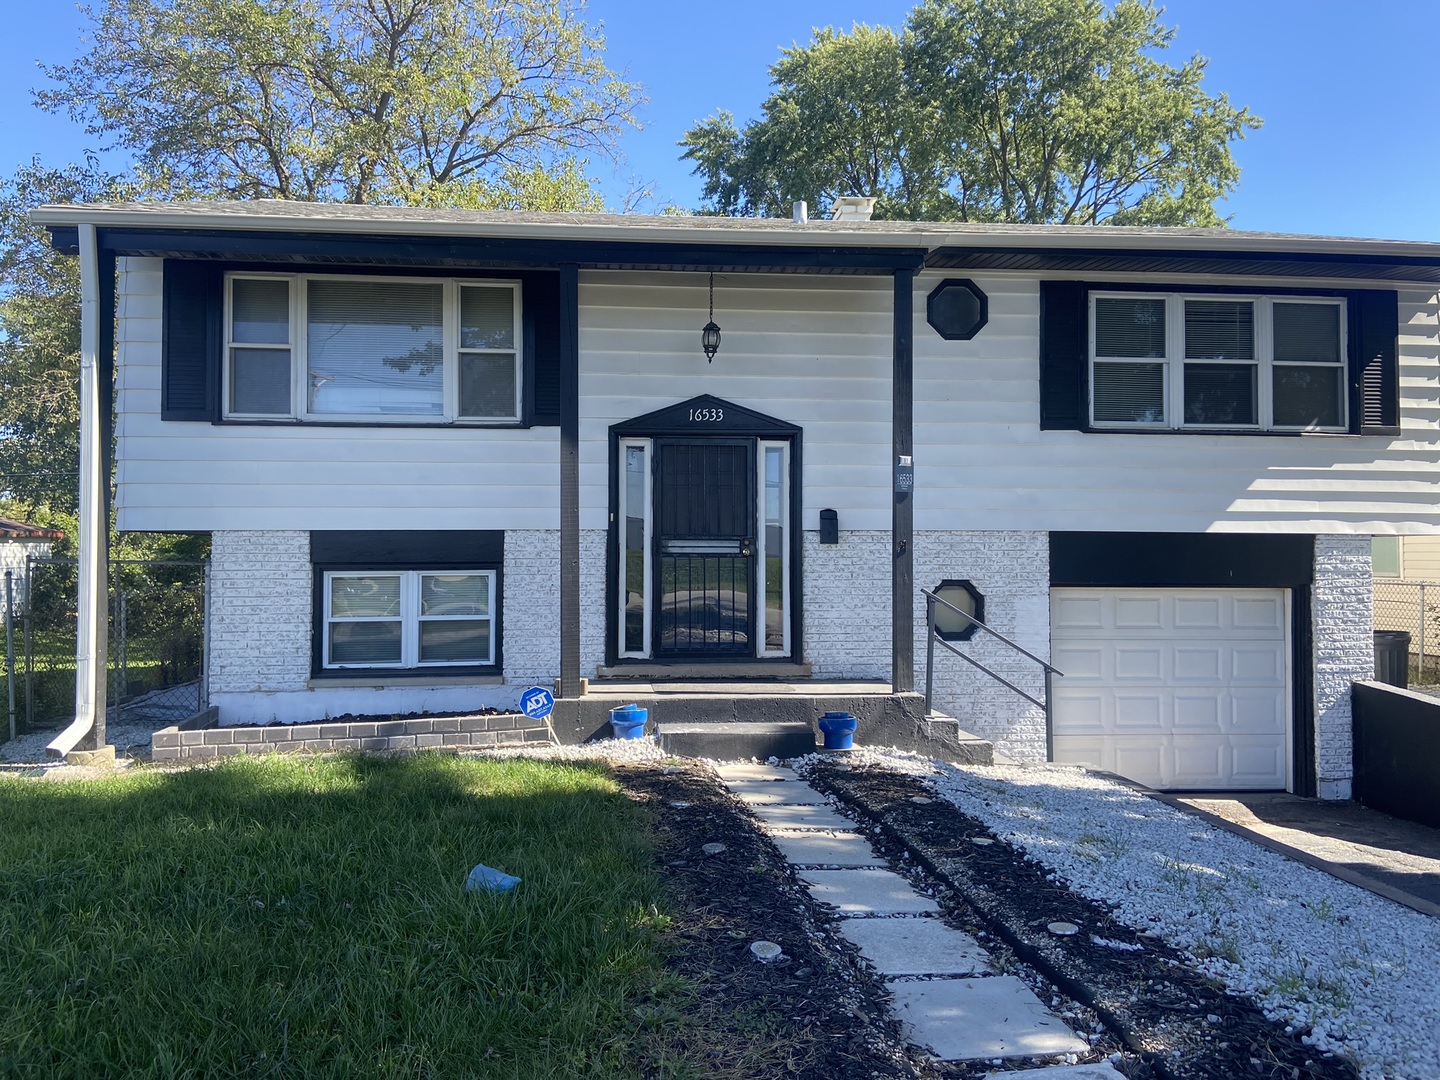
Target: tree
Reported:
point(40, 338)
point(365, 101)
point(1032, 111)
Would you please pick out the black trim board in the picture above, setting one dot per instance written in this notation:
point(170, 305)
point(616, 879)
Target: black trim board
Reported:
point(673, 421)
point(1162, 263)
point(569, 415)
point(404, 549)
point(1211, 560)
point(379, 250)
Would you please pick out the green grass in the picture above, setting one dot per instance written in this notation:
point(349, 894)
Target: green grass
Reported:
point(306, 917)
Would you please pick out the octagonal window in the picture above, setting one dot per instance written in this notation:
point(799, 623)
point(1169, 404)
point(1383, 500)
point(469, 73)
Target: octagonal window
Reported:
point(957, 309)
point(951, 625)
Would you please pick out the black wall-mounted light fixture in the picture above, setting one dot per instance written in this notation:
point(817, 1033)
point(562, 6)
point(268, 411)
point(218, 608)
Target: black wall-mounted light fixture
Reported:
point(710, 333)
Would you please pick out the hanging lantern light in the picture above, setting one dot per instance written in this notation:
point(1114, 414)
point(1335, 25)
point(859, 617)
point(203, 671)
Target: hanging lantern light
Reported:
point(710, 333)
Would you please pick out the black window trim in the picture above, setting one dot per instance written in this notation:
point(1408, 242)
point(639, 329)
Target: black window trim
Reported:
point(424, 551)
point(1067, 406)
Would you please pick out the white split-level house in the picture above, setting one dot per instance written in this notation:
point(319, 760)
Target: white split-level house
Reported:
point(445, 455)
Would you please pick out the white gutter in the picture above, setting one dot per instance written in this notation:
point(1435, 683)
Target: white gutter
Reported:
point(94, 538)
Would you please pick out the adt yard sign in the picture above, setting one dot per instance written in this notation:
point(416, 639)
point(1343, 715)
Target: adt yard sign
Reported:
point(537, 703)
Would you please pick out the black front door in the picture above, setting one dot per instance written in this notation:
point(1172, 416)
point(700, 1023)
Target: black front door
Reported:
point(704, 548)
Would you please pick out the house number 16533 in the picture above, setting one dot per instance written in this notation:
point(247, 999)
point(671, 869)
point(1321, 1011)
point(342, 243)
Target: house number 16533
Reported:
point(706, 416)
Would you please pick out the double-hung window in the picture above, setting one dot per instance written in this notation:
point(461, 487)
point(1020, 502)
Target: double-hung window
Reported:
point(409, 618)
point(1217, 362)
point(328, 347)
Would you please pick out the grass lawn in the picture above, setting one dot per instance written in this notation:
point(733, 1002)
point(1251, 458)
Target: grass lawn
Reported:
point(280, 916)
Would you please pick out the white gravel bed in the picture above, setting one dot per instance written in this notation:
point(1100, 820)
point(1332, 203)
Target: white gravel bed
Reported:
point(127, 738)
point(1359, 973)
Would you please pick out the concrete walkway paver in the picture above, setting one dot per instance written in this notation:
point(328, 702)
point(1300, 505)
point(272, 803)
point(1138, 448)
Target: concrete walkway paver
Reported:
point(826, 849)
point(790, 818)
point(915, 947)
point(1100, 1071)
point(867, 892)
point(994, 1017)
point(763, 792)
point(928, 966)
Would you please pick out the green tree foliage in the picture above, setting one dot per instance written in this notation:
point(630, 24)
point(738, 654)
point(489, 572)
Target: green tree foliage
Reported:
point(365, 101)
point(1031, 111)
point(40, 338)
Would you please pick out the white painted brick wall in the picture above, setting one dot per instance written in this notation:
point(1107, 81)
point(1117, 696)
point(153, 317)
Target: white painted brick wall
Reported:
point(260, 588)
point(847, 605)
point(592, 601)
point(1344, 652)
point(1012, 572)
point(532, 606)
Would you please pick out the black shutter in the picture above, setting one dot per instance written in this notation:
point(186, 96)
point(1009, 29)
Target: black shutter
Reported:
point(1064, 356)
point(190, 352)
point(1375, 363)
point(542, 339)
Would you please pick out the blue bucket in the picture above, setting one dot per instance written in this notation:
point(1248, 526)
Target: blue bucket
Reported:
point(628, 721)
point(839, 730)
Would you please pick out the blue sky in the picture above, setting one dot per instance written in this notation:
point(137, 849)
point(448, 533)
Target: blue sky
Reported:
point(1350, 146)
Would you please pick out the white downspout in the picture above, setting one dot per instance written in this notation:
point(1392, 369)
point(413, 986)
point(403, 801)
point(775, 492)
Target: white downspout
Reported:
point(94, 530)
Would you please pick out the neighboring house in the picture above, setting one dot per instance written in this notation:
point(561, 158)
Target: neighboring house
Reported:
point(19, 544)
point(1407, 558)
point(443, 455)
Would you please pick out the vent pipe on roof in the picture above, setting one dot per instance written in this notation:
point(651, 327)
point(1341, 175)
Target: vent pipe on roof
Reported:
point(799, 212)
point(852, 208)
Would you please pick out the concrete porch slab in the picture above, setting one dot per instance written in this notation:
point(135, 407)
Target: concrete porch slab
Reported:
point(776, 817)
point(826, 849)
point(866, 892)
point(769, 793)
point(996, 1017)
point(915, 947)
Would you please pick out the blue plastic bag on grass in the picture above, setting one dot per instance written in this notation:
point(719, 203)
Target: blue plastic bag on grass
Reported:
point(487, 879)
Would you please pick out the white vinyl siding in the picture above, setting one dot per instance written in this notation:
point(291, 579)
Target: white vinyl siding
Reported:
point(1181, 689)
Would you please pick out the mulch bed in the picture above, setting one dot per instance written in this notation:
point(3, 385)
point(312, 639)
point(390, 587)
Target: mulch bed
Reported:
point(1173, 1021)
point(816, 1013)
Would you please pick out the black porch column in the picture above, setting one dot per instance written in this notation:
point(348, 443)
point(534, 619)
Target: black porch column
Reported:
point(902, 570)
point(569, 481)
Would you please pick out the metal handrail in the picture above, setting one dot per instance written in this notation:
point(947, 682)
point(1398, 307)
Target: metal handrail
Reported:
point(932, 635)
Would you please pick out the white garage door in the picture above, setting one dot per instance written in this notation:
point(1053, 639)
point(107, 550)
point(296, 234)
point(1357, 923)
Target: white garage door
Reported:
point(1177, 689)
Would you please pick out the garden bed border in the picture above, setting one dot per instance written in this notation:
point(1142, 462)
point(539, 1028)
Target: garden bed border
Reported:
point(423, 733)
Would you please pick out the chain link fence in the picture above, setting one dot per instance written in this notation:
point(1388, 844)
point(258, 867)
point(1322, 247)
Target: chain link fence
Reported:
point(1413, 606)
point(156, 650)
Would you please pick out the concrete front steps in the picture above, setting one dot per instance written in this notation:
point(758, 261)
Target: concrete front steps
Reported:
point(944, 989)
point(735, 718)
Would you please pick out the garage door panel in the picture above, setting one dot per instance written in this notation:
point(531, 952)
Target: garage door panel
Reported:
point(1138, 662)
point(1255, 760)
point(1198, 663)
point(1146, 711)
point(1198, 613)
point(1261, 664)
point(1089, 750)
point(1075, 613)
point(1200, 713)
point(1183, 688)
point(1199, 761)
point(1138, 613)
point(1257, 711)
point(1142, 760)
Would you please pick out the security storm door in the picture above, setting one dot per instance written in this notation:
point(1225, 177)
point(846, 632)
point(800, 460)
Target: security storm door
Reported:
point(705, 540)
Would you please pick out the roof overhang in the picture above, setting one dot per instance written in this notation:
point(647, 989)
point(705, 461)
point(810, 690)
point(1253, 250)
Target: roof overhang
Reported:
point(275, 231)
point(1350, 266)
